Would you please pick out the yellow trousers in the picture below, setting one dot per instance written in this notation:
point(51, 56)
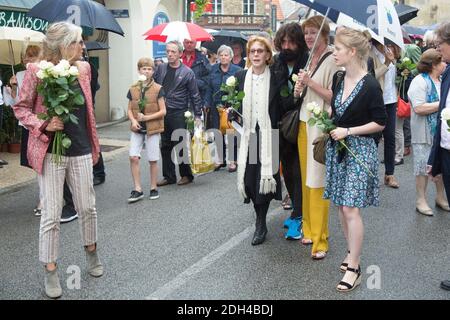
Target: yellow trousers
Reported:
point(315, 208)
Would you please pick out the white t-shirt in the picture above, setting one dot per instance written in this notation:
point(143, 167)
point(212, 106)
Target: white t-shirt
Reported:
point(1, 97)
point(445, 135)
point(389, 90)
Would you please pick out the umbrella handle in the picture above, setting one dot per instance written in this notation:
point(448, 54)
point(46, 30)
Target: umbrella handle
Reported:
point(11, 52)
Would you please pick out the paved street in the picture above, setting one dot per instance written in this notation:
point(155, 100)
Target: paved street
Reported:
point(194, 243)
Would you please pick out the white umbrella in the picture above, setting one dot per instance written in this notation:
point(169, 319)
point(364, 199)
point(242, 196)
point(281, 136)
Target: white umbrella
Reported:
point(14, 40)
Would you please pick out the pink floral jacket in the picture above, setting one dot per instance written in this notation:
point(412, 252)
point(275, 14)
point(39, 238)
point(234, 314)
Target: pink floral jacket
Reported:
point(31, 103)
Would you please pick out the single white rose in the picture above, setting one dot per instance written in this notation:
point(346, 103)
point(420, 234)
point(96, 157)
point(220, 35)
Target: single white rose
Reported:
point(406, 59)
point(445, 115)
point(310, 106)
point(187, 114)
point(41, 74)
point(317, 110)
point(56, 71)
point(142, 78)
point(73, 71)
point(64, 64)
point(294, 77)
point(231, 81)
point(64, 73)
point(45, 65)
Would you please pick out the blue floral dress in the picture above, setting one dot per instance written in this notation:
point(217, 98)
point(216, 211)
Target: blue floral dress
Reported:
point(348, 183)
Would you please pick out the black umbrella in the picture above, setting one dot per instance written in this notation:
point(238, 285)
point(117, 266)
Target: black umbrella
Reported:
point(226, 37)
point(405, 12)
point(85, 13)
point(95, 45)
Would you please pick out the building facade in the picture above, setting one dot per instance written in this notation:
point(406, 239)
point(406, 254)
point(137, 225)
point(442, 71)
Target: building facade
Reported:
point(117, 65)
point(430, 12)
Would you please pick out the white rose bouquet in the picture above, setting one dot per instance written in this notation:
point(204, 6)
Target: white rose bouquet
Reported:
point(322, 120)
point(60, 98)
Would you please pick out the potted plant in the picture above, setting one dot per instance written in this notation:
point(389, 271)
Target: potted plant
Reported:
point(12, 130)
point(3, 141)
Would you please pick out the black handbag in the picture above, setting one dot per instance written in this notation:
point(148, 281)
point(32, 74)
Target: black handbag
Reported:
point(289, 125)
point(290, 121)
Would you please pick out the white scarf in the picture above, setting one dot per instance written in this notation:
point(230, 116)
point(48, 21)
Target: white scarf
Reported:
point(267, 183)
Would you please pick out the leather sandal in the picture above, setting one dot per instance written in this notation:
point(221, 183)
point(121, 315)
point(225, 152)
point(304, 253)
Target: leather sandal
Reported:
point(350, 287)
point(391, 182)
point(344, 265)
point(306, 241)
point(319, 255)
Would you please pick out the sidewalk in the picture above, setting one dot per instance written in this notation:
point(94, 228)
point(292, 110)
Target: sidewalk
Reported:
point(13, 176)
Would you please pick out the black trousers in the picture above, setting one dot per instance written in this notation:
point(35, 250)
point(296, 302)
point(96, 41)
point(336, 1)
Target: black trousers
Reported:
point(99, 168)
point(172, 122)
point(445, 160)
point(407, 132)
point(291, 173)
point(389, 139)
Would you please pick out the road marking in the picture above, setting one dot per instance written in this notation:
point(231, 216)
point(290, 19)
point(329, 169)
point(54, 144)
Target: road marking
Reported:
point(166, 290)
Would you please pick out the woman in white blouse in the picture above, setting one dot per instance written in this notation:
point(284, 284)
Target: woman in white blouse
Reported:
point(423, 95)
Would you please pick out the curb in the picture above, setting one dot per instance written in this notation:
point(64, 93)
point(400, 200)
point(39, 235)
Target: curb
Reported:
point(109, 124)
point(16, 187)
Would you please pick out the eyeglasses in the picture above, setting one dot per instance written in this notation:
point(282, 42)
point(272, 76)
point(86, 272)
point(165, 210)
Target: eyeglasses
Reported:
point(258, 51)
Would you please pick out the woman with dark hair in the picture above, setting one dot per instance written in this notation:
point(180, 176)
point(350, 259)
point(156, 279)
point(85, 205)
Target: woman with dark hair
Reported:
point(423, 95)
point(258, 174)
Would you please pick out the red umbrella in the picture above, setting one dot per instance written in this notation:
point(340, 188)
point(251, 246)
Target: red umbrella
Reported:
point(177, 30)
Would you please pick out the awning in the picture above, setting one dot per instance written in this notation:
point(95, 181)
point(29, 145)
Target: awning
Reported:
point(18, 4)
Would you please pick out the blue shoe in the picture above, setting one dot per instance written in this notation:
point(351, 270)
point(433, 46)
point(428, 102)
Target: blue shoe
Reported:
point(295, 230)
point(287, 222)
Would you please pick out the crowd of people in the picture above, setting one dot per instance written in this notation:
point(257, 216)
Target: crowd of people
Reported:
point(353, 82)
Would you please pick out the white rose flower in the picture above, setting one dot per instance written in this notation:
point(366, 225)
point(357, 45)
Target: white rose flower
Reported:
point(187, 114)
point(73, 71)
point(45, 65)
point(310, 106)
point(56, 71)
point(406, 59)
point(64, 64)
point(142, 78)
point(445, 115)
point(231, 81)
point(64, 73)
point(317, 110)
point(41, 74)
point(294, 77)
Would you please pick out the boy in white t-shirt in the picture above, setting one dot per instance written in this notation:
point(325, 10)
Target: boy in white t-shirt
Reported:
point(146, 111)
